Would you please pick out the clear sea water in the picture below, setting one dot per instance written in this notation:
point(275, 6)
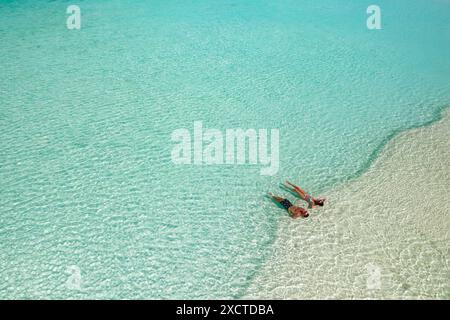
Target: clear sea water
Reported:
point(86, 177)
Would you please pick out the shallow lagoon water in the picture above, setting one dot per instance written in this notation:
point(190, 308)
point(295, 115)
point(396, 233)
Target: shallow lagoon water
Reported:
point(86, 118)
point(383, 235)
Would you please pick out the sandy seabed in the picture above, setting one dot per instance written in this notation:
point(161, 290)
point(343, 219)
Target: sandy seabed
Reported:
point(384, 235)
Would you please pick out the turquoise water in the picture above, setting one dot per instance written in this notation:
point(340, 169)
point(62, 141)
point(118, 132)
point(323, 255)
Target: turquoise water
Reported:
point(86, 118)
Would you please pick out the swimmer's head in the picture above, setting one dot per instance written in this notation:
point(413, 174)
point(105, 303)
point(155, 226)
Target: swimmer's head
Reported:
point(319, 202)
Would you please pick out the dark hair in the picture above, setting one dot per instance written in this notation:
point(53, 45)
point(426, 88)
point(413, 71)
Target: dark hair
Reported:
point(319, 202)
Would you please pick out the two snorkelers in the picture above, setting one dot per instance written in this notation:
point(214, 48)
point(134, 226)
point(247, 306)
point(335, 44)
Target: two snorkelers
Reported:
point(293, 210)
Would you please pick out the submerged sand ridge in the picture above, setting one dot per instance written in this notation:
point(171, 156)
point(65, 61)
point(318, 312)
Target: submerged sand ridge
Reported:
point(385, 234)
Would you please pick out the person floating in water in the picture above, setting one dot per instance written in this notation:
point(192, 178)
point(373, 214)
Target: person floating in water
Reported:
point(312, 202)
point(294, 211)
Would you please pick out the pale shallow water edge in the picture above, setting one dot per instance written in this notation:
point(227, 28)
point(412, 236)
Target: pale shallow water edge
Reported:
point(385, 234)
